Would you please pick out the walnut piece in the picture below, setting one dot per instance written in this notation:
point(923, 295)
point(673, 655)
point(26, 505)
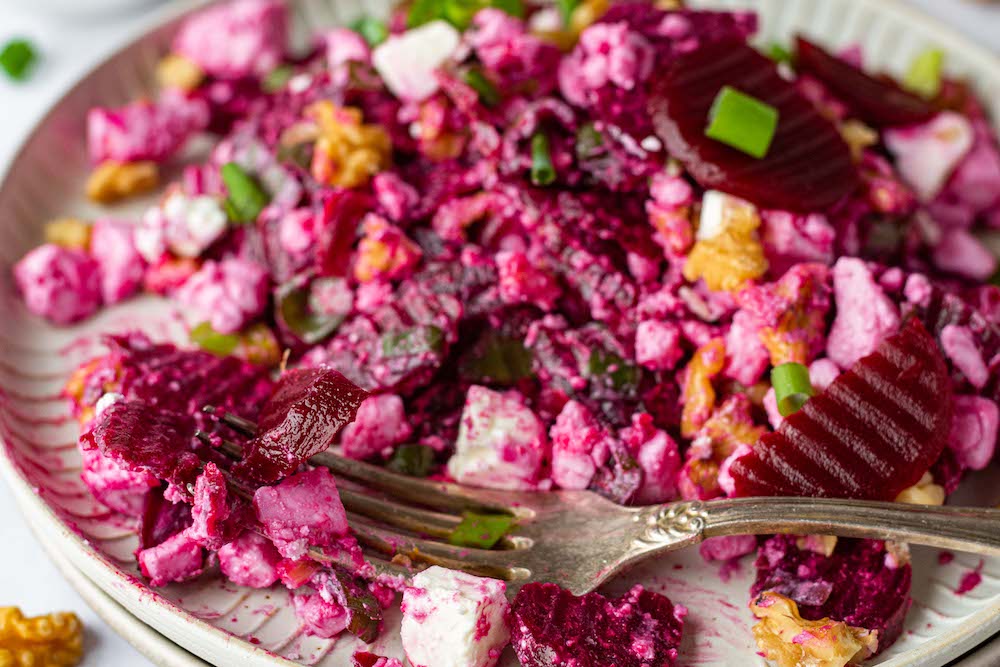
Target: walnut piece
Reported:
point(52, 640)
point(924, 492)
point(113, 181)
point(787, 639)
point(70, 233)
point(176, 71)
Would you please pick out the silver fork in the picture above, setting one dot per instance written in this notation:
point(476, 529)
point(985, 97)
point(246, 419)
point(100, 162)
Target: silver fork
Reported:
point(579, 539)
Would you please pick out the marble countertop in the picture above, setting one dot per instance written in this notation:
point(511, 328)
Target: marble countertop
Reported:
point(71, 45)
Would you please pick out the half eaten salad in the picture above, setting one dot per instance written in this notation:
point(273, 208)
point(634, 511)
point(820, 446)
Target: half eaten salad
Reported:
point(595, 244)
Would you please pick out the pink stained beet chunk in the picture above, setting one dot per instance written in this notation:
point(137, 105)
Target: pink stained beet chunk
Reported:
point(308, 409)
point(60, 284)
point(250, 560)
point(874, 431)
point(303, 510)
point(808, 166)
point(553, 628)
point(863, 583)
point(236, 39)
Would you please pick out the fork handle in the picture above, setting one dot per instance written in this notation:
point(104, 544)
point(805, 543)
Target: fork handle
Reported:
point(970, 529)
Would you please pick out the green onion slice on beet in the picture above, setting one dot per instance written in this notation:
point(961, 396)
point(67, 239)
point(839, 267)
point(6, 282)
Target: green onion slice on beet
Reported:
point(924, 75)
point(543, 172)
point(481, 531)
point(743, 122)
point(792, 387)
point(246, 197)
point(488, 93)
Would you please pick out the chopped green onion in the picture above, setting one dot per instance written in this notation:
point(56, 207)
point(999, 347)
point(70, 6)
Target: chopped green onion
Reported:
point(276, 79)
point(246, 198)
point(542, 170)
point(780, 54)
point(743, 122)
point(459, 13)
point(792, 387)
point(481, 531)
point(613, 370)
point(589, 142)
point(412, 460)
point(498, 360)
point(210, 340)
point(924, 75)
point(374, 31)
point(566, 8)
point(17, 57)
point(488, 93)
point(418, 340)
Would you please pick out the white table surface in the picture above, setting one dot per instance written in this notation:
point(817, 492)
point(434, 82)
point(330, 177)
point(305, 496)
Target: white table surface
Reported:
point(69, 46)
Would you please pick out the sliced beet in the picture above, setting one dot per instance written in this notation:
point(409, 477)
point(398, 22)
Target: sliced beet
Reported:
point(144, 437)
point(880, 102)
point(808, 166)
point(342, 212)
point(874, 432)
point(553, 628)
point(302, 418)
point(161, 518)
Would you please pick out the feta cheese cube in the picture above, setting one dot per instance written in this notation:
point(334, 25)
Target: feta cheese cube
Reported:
point(501, 443)
point(453, 619)
point(407, 62)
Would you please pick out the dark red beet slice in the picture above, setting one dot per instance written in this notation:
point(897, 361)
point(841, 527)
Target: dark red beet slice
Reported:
point(553, 628)
point(855, 584)
point(808, 167)
point(161, 518)
point(342, 211)
point(877, 101)
point(144, 437)
point(302, 418)
point(874, 432)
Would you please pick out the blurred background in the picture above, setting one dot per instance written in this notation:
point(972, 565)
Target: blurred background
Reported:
point(70, 36)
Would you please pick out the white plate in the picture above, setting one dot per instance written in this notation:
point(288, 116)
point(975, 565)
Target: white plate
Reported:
point(224, 624)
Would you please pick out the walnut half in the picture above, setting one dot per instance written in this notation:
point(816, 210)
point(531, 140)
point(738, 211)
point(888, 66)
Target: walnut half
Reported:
point(789, 640)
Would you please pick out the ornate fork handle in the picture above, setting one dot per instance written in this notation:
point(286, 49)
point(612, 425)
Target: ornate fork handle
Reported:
point(971, 529)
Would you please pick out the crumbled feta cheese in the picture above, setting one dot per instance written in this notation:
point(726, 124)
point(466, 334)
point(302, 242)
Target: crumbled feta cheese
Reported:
point(865, 315)
point(407, 62)
point(926, 155)
point(59, 284)
point(453, 619)
point(501, 443)
point(303, 510)
point(250, 560)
